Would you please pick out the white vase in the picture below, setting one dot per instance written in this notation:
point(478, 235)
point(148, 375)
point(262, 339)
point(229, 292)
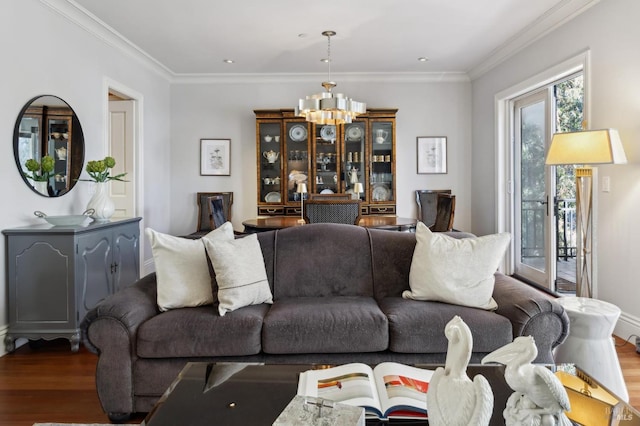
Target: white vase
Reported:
point(41, 187)
point(101, 203)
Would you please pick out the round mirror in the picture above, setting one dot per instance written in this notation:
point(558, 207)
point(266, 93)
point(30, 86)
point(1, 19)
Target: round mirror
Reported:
point(48, 146)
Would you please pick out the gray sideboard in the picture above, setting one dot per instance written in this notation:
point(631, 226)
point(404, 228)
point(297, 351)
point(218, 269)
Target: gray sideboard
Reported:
point(56, 274)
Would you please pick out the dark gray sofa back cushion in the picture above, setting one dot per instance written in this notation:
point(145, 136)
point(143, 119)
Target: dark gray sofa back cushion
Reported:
point(308, 263)
point(392, 255)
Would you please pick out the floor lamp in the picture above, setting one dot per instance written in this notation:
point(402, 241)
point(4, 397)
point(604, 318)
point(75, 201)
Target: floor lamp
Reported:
point(583, 149)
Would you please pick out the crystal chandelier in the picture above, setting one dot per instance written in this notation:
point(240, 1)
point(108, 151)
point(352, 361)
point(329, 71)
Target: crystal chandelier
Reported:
point(327, 107)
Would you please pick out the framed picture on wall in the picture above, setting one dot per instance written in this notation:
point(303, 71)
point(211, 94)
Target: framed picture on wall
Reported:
point(432, 154)
point(215, 157)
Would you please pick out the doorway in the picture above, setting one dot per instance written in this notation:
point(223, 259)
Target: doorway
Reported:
point(123, 140)
point(544, 197)
point(121, 147)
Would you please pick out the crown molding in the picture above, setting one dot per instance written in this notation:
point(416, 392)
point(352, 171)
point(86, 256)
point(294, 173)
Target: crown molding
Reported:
point(558, 15)
point(84, 19)
point(435, 77)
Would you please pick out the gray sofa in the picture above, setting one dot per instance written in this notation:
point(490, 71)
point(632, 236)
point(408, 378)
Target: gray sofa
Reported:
point(337, 298)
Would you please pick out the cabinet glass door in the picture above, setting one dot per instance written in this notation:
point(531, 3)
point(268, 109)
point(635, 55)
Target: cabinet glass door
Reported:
point(270, 163)
point(354, 170)
point(326, 160)
point(381, 162)
point(297, 152)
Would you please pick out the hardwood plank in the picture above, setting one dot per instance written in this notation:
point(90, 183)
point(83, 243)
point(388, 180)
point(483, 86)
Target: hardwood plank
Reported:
point(52, 384)
point(49, 384)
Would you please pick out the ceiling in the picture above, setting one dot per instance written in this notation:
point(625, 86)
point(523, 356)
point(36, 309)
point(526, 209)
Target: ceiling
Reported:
point(284, 36)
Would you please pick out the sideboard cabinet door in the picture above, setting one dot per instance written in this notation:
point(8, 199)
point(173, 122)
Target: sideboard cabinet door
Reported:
point(56, 274)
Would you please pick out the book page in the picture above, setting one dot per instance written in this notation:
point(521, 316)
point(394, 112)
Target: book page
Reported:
point(351, 384)
point(402, 387)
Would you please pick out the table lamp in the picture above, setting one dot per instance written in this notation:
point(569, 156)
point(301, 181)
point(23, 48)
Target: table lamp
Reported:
point(357, 190)
point(301, 189)
point(582, 149)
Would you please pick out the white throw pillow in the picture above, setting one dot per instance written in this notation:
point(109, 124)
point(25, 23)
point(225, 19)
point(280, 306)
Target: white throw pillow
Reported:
point(182, 273)
point(456, 271)
point(240, 273)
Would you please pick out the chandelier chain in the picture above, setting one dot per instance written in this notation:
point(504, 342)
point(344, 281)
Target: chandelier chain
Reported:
point(329, 54)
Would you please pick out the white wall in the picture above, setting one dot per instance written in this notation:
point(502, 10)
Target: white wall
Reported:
point(225, 110)
point(43, 53)
point(611, 33)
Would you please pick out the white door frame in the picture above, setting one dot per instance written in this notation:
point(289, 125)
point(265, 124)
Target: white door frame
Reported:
point(110, 85)
point(505, 211)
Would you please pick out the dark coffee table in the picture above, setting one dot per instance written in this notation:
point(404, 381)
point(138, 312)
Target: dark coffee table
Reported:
point(256, 394)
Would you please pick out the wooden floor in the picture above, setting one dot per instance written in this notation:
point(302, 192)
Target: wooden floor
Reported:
point(51, 384)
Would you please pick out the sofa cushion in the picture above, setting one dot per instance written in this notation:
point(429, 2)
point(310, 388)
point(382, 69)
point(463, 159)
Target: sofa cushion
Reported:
point(322, 259)
point(240, 273)
point(418, 326)
point(201, 332)
point(181, 268)
point(324, 325)
point(457, 271)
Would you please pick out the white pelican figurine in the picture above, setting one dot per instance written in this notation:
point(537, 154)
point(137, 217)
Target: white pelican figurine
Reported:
point(452, 398)
point(539, 396)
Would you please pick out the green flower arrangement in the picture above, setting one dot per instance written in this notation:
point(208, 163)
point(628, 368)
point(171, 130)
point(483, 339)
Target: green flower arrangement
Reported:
point(99, 170)
point(40, 172)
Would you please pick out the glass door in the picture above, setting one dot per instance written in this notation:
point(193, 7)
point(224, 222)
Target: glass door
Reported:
point(297, 162)
point(326, 160)
point(382, 184)
point(544, 197)
point(269, 160)
point(355, 159)
point(532, 219)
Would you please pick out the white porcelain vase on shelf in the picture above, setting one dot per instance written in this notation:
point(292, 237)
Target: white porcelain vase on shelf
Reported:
point(101, 203)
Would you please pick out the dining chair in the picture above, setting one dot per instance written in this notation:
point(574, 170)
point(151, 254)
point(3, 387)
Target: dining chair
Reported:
point(218, 216)
point(332, 211)
point(205, 214)
point(445, 210)
point(427, 200)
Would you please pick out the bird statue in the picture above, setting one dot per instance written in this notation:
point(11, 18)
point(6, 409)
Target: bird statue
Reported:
point(452, 398)
point(539, 397)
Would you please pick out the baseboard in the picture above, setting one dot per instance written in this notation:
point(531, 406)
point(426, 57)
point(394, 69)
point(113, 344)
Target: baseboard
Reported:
point(627, 325)
point(3, 334)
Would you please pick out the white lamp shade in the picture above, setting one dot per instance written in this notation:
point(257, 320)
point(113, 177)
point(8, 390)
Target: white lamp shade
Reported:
point(587, 147)
point(302, 188)
point(357, 188)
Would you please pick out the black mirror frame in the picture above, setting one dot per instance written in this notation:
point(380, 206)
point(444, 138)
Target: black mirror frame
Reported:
point(76, 156)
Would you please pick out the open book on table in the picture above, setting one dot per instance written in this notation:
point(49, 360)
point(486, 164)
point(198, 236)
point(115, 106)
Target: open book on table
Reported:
point(388, 390)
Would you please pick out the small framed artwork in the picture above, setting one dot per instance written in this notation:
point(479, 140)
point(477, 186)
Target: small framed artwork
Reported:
point(432, 154)
point(215, 157)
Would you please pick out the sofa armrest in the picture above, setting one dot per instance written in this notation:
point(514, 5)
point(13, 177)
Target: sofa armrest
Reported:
point(109, 330)
point(531, 312)
point(127, 308)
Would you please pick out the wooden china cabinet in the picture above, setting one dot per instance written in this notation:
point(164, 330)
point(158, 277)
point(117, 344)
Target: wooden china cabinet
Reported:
point(328, 159)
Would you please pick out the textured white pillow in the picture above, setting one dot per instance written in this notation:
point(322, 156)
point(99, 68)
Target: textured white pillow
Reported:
point(240, 273)
point(456, 271)
point(182, 273)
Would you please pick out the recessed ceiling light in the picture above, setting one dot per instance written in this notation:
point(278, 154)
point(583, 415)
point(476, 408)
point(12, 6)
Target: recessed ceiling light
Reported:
point(325, 60)
point(228, 61)
point(423, 59)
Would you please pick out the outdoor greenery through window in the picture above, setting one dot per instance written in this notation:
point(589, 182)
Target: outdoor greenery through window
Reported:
point(569, 102)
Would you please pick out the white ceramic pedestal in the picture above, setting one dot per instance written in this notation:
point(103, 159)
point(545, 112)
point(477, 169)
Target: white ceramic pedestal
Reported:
point(590, 345)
